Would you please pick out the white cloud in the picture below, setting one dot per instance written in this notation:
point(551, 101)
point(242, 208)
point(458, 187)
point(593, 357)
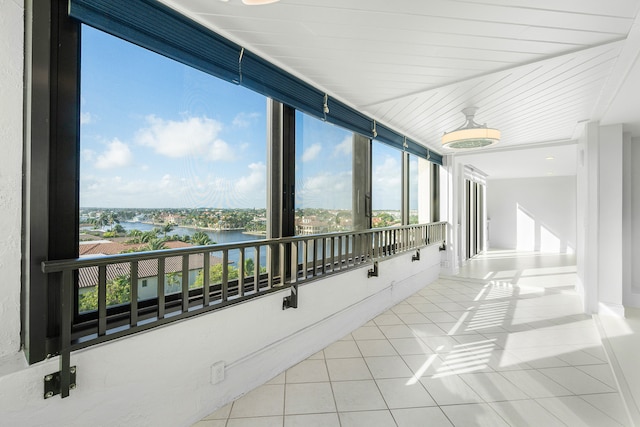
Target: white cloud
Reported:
point(344, 148)
point(175, 190)
point(117, 155)
point(220, 151)
point(86, 118)
point(193, 136)
point(311, 152)
point(387, 181)
point(326, 190)
point(244, 120)
point(145, 193)
point(255, 182)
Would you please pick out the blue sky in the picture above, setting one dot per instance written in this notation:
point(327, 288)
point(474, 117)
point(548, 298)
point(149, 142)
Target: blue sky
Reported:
point(158, 134)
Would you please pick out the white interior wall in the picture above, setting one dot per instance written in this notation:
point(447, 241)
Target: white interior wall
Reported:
point(11, 86)
point(544, 207)
point(162, 377)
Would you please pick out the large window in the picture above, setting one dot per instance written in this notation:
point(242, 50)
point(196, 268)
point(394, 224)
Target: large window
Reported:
point(323, 177)
point(156, 134)
point(386, 185)
point(170, 157)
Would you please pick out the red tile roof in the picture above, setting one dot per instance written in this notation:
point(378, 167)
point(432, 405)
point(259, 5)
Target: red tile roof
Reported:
point(88, 276)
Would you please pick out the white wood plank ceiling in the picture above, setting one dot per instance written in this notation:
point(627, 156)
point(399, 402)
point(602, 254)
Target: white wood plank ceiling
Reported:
point(534, 68)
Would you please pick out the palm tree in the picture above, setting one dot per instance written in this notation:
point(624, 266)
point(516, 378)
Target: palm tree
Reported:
point(200, 238)
point(148, 236)
point(166, 228)
point(155, 245)
point(112, 219)
point(134, 233)
point(249, 266)
point(101, 220)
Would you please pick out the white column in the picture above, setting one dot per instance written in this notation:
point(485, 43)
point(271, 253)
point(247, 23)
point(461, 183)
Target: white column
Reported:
point(599, 221)
point(424, 193)
point(610, 181)
point(448, 213)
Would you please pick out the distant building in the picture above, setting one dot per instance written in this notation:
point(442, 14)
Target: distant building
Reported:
point(310, 225)
point(147, 269)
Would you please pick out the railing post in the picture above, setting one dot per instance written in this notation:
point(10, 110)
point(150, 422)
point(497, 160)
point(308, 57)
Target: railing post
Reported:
point(161, 293)
point(241, 272)
point(315, 258)
point(133, 283)
point(206, 273)
point(333, 254)
point(324, 255)
point(185, 283)
point(271, 266)
point(102, 300)
point(66, 298)
point(305, 257)
point(282, 267)
point(294, 262)
point(256, 269)
point(224, 286)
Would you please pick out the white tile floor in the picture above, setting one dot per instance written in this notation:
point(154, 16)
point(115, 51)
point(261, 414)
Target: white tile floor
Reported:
point(502, 344)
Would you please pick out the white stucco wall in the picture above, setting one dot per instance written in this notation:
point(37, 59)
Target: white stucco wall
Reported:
point(162, 377)
point(11, 84)
point(548, 204)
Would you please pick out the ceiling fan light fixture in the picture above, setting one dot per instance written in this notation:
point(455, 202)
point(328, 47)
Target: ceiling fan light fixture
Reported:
point(258, 2)
point(471, 134)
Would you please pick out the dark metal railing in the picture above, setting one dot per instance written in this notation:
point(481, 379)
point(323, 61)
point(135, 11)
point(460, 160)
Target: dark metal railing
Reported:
point(277, 264)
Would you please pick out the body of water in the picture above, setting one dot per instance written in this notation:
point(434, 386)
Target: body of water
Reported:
point(230, 236)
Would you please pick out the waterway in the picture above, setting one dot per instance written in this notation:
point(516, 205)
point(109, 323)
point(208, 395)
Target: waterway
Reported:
point(230, 236)
point(225, 236)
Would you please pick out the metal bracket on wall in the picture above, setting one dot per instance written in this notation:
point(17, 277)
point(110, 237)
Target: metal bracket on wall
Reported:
point(373, 272)
point(53, 383)
point(416, 257)
point(292, 300)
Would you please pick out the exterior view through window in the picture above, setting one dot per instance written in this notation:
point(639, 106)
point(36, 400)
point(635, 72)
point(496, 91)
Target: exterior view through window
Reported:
point(415, 187)
point(170, 157)
point(323, 177)
point(386, 185)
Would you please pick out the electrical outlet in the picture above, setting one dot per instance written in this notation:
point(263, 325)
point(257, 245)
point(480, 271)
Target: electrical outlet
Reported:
point(217, 372)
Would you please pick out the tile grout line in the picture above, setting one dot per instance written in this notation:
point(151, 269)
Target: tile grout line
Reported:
point(333, 394)
point(633, 412)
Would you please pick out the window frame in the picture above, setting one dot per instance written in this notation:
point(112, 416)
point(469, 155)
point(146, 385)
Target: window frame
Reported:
point(51, 163)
